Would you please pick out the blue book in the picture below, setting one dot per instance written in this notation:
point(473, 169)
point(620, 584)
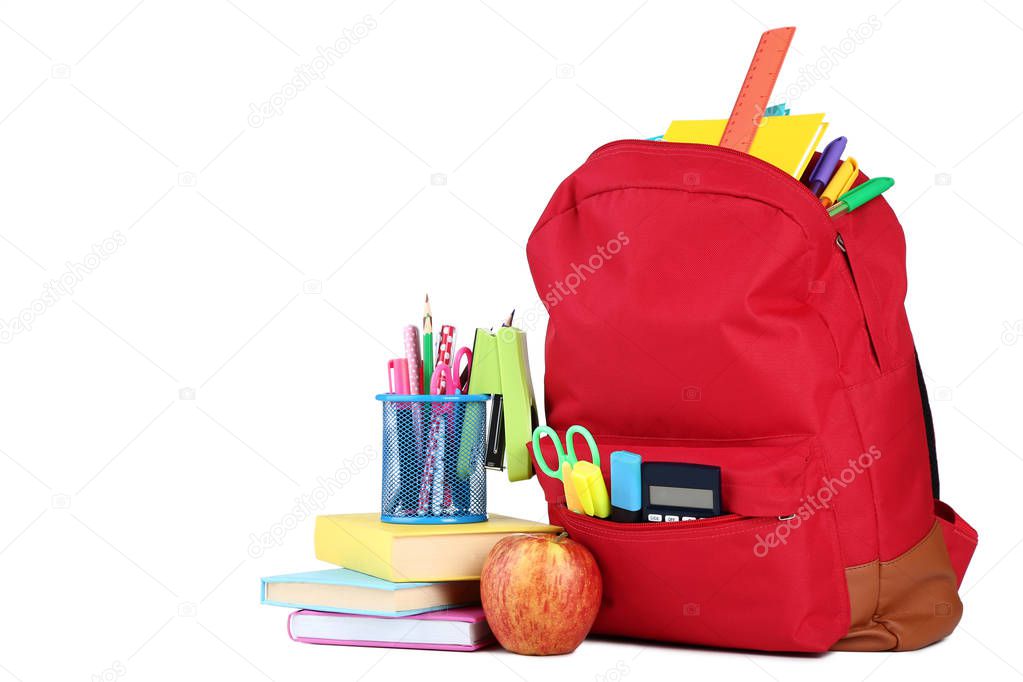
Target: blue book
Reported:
point(341, 590)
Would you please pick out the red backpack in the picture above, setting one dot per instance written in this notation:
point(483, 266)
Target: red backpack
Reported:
point(704, 308)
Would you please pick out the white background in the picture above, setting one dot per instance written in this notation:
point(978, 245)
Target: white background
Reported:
point(271, 268)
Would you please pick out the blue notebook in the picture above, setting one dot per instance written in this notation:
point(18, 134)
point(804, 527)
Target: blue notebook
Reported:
point(341, 590)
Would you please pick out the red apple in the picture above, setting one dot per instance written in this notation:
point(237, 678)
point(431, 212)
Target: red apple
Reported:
point(541, 593)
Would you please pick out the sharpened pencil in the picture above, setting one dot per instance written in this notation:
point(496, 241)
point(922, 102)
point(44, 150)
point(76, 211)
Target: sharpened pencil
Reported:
point(427, 345)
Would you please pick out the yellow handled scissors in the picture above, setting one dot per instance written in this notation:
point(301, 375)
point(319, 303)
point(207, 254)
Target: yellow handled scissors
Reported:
point(585, 492)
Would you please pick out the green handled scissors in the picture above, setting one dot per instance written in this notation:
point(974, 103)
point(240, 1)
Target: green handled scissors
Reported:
point(563, 455)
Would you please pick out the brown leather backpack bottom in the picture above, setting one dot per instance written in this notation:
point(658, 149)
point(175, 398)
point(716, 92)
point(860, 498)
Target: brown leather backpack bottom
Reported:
point(906, 603)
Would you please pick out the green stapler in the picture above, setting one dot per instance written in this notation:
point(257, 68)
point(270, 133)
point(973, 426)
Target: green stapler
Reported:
point(500, 367)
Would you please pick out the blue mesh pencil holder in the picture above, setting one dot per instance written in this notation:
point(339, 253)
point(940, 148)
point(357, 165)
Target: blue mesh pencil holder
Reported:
point(433, 459)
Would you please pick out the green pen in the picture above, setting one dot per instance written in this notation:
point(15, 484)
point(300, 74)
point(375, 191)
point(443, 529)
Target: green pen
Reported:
point(856, 197)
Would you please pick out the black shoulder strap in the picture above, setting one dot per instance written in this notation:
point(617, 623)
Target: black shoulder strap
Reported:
point(929, 428)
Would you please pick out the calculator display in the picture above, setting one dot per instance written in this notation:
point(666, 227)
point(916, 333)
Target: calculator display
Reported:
point(694, 498)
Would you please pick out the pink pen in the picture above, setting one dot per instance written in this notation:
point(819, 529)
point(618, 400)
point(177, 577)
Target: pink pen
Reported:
point(445, 347)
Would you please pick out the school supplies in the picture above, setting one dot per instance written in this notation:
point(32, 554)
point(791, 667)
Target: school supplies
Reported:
point(856, 197)
point(461, 374)
point(680, 492)
point(414, 553)
point(445, 379)
point(468, 446)
point(826, 165)
point(783, 571)
point(572, 500)
point(591, 489)
point(841, 181)
point(431, 500)
point(787, 142)
point(441, 494)
point(495, 424)
point(423, 437)
point(427, 345)
point(462, 629)
point(403, 378)
point(585, 491)
point(414, 358)
point(566, 460)
point(345, 591)
point(398, 376)
point(626, 486)
point(445, 346)
point(747, 114)
point(500, 366)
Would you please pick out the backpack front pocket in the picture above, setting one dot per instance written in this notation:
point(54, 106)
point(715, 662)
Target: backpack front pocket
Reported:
point(767, 575)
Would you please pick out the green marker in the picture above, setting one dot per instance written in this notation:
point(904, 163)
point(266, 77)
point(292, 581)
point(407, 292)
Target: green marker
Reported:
point(856, 197)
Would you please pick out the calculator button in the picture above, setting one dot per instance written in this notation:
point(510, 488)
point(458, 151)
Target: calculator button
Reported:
point(670, 517)
point(688, 518)
point(654, 517)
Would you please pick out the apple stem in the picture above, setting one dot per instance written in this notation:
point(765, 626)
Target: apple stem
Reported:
point(563, 535)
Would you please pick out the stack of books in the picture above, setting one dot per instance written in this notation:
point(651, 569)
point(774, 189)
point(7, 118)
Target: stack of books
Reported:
point(406, 586)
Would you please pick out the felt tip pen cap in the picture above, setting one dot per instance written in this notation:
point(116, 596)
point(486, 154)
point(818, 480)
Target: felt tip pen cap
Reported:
point(626, 480)
point(826, 165)
point(397, 376)
point(857, 196)
point(841, 181)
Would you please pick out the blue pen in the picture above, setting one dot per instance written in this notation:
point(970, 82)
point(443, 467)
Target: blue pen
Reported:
point(826, 165)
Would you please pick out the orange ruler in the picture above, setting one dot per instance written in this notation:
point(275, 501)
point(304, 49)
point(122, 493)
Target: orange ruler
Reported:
point(756, 89)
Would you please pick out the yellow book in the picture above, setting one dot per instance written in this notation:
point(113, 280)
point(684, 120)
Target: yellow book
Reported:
point(787, 142)
point(414, 552)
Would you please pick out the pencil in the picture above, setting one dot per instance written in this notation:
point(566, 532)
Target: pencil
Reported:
point(427, 346)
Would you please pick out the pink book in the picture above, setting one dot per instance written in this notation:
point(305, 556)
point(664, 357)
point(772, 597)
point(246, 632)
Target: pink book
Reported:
point(461, 629)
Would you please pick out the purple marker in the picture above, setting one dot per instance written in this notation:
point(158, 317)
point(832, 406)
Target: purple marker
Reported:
point(826, 165)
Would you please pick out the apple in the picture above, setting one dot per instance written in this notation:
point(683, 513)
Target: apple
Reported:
point(541, 593)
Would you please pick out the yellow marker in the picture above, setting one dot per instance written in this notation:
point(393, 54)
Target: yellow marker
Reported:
point(840, 182)
point(585, 492)
point(589, 485)
point(572, 500)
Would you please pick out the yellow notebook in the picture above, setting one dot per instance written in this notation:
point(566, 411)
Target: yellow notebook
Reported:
point(405, 553)
point(787, 142)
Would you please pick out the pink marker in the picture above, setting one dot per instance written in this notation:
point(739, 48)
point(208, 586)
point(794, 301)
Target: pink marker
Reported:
point(397, 376)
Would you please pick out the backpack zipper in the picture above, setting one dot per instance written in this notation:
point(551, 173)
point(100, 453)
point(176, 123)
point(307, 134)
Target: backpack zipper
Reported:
point(605, 526)
point(840, 243)
point(651, 145)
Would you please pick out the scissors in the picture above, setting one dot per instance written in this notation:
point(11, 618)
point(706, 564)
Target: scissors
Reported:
point(585, 491)
point(446, 380)
point(564, 457)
